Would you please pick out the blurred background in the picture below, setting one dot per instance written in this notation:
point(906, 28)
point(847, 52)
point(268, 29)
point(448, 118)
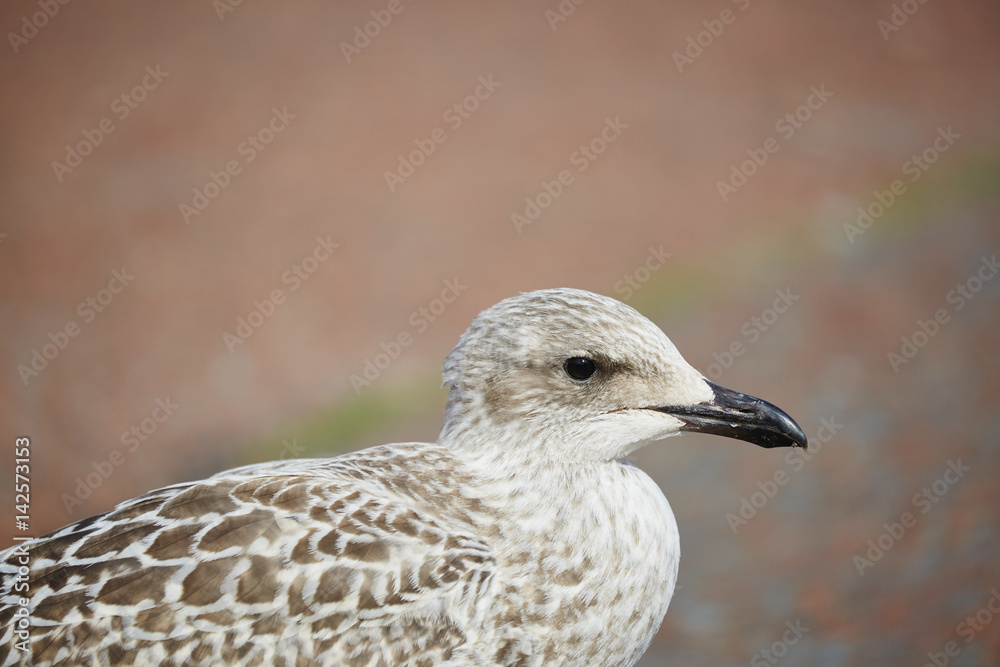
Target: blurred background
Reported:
point(234, 233)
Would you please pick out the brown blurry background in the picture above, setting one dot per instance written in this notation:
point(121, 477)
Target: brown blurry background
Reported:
point(221, 76)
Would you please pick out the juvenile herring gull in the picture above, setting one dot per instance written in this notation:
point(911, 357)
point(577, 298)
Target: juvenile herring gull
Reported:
point(521, 537)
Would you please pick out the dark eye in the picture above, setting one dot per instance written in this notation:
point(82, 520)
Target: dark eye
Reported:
point(579, 368)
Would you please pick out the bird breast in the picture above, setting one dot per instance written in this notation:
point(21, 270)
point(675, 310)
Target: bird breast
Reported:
point(592, 547)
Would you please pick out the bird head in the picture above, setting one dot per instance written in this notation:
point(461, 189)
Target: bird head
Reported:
point(589, 377)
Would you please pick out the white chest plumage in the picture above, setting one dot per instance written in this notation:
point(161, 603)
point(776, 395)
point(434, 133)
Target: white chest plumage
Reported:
point(587, 557)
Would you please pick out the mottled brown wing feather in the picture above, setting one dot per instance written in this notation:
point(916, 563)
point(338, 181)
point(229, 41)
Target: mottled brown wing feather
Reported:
point(251, 568)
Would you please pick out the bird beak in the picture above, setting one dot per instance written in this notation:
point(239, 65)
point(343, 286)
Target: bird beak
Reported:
point(735, 415)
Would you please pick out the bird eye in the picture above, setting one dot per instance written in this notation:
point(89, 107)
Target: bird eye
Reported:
point(579, 368)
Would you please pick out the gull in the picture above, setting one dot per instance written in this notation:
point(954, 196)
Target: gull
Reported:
point(521, 537)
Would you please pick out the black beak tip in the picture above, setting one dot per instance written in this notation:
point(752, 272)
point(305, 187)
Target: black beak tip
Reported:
point(790, 434)
point(758, 421)
point(743, 417)
point(798, 437)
